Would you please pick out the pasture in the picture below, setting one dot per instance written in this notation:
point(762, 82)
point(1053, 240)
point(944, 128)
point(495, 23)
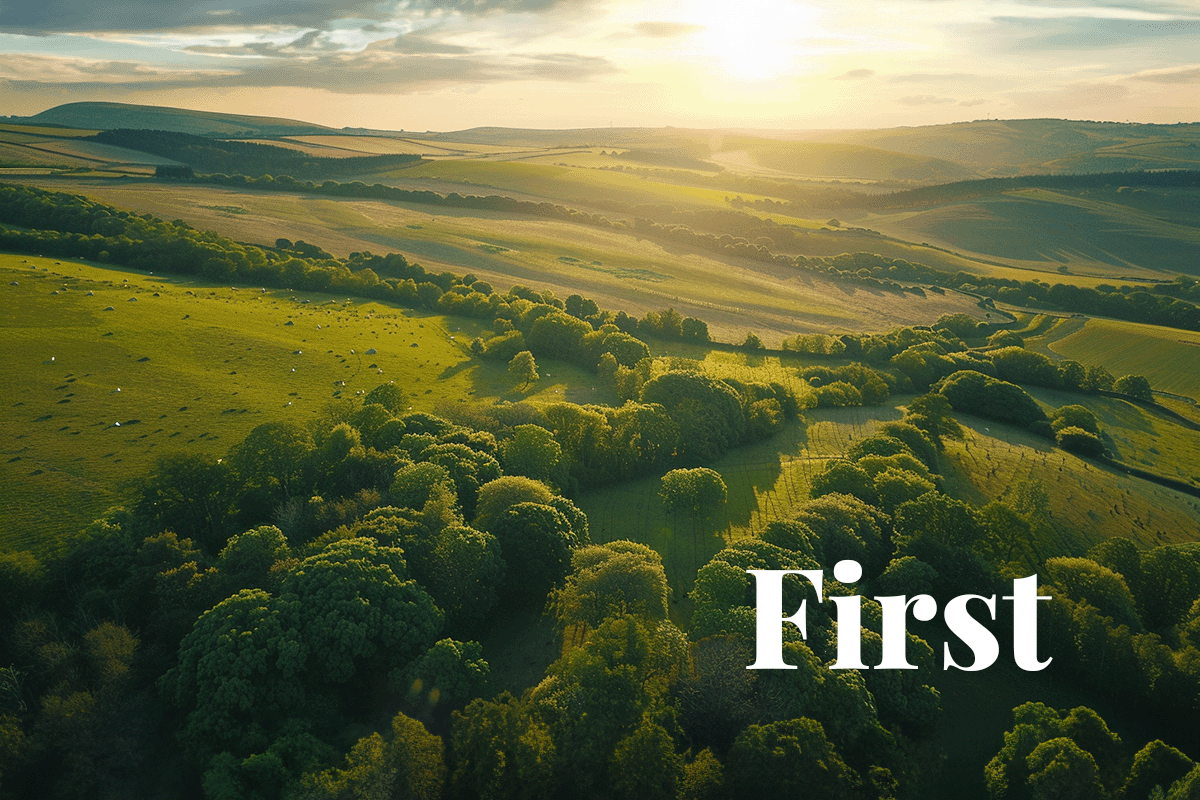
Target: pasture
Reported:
point(1169, 357)
point(1097, 234)
point(617, 269)
point(185, 365)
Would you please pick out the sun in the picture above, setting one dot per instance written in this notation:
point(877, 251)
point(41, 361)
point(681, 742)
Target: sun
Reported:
point(753, 40)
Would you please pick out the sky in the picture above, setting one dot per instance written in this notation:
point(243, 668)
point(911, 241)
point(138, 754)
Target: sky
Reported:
point(451, 64)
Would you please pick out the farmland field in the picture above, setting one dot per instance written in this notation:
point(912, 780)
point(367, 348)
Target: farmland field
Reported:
point(197, 366)
point(1169, 357)
point(618, 270)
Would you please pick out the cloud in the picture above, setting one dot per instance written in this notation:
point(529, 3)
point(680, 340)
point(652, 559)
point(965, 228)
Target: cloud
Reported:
point(976, 102)
point(54, 16)
point(923, 100)
point(1185, 74)
point(855, 74)
point(930, 77)
point(375, 70)
point(36, 69)
point(666, 30)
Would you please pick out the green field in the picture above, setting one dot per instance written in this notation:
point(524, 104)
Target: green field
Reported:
point(197, 366)
point(615, 268)
point(1169, 357)
point(1101, 234)
point(1088, 502)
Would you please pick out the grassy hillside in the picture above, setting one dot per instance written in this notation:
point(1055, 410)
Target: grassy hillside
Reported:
point(197, 366)
point(106, 116)
point(617, 269)
point(1013, 147)
point(1170, 358)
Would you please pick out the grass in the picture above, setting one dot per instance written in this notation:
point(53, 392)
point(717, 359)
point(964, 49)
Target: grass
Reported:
point(1088, 502)
point(198, 366)
point(765, 481)
point(1135, 435)
point(1169, 357)
point(1100, 234)
point(615, 268)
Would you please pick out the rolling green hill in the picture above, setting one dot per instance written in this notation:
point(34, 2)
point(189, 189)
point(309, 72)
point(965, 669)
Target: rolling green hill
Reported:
point(203, 123)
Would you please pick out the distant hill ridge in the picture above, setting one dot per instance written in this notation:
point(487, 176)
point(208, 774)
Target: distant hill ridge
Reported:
point(107, 116)
point(914, 155)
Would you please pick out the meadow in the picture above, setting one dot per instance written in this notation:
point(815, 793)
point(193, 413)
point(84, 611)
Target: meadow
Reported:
point(617, 269)
point(1169, 357)
point(187, 365)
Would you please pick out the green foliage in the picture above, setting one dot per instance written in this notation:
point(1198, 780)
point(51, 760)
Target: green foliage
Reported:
point(448, 676)
point(1077, 440)
point(700, 492)
point(787, 759)
point(523, 368)
point(408, 763)
point(532, 451)
point(536, 541)
point(1075, 416)
point(845, 478)
point(1135, 386)
point(611, 580)
point(645, 764)
point(976, 393)
point(1155, 765)
point(1049, 754)
point(1084, 580)
point(388, 395)
point(464, 573)
point(496, 497)
point(351, 606)
point(502, 751)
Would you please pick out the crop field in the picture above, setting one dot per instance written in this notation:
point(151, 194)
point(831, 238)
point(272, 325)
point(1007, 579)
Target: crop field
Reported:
point(187, 364)
point(1169, 357)
point(617, 269)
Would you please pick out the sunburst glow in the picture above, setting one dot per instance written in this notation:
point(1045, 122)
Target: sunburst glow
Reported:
point(754, 40)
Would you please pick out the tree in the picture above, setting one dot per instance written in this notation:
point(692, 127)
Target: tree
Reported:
point(1060, 770)
point(408, 763)
point(191, 494)
point(1077, 440)
point(388, 395)
point(496, 497)
point(932, 414)
point(502, 751)
point(448, 676)
point(273, 456)
point(846, 478)
point(787, 759)
point(352, 607)
point(536, 542)
point(532, 451)
point(1135, 386)
point(936, 516)
point(523, 368)
point(610, 580)
point(465, 573)
point(1074, 416)
point(1156, 764)
point(645, 764)
point(700, 491)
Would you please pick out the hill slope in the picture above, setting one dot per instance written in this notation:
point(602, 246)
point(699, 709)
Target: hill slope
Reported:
point(204, 123)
